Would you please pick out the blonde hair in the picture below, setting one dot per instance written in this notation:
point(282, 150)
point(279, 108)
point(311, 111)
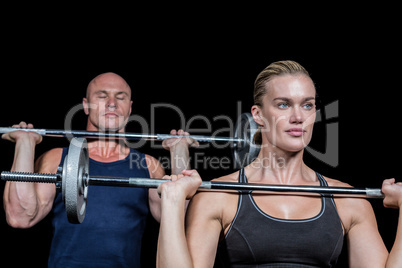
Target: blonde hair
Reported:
point(274, 69)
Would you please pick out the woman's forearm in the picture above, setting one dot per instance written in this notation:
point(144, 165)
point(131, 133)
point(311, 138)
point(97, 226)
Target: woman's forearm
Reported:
point(395, 256)
point(172, 245)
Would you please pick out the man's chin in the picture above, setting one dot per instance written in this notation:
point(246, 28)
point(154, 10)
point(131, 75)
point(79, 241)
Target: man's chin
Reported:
point(109, 129)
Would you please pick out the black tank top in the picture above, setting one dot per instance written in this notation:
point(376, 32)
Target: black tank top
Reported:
point(256, 239)
point(111, 233)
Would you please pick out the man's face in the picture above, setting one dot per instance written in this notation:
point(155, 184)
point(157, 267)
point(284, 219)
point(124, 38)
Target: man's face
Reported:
point(108, 103)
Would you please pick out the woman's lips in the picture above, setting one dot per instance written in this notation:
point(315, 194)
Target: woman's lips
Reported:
point(296, 132)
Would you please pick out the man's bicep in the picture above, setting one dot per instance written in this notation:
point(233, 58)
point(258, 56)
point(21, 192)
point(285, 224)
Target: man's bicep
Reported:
point(156, 171)
point(155, 168)
point(49, 161)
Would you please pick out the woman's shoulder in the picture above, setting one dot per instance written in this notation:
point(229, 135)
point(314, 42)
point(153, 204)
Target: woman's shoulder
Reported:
point(215, 204)
point(335, 182)
point(214, 198)
point(233, 177)
point(351, 209)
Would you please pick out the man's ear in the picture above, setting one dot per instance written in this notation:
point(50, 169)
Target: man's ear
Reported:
point(85, 103)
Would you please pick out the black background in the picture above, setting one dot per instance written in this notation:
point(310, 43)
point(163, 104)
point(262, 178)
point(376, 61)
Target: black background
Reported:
point(207, 70)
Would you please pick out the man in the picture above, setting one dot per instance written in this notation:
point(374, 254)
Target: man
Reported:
point(111, 233)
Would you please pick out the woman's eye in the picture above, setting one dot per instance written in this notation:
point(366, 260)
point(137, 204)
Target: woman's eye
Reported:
point(308, 106)
point(283, 105)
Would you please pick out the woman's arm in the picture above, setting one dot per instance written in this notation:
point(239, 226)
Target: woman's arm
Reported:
point(195, 245)
point(204, 226)
point(393, 199)
point(366, 247)
point(172, 246)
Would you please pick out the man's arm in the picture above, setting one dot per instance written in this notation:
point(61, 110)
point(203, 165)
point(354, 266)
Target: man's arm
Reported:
point(26, 204)
point(155, 171)
point(179, 153)
point(179, 159)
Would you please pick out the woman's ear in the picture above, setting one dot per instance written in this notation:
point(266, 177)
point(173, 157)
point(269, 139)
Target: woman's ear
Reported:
point(257, 115)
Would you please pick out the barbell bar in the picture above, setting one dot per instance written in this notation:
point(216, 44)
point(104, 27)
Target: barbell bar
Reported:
point(244, 151)
point(74, 180)
point(118, 135)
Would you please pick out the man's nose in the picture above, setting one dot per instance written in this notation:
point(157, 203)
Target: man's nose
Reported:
point(111, 103)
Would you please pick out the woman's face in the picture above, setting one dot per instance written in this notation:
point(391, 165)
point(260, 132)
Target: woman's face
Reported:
point(288, 112)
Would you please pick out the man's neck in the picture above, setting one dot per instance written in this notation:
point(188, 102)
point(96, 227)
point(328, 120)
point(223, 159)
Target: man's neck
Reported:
point(108, 150)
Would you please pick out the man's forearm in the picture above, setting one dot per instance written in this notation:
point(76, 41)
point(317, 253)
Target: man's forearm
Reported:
point(180, 159)
point(20, 202)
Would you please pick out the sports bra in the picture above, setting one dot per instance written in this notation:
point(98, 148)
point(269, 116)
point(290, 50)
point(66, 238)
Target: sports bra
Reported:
point(256, 239)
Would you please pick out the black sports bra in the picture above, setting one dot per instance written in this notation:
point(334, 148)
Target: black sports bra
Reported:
point(256, 239)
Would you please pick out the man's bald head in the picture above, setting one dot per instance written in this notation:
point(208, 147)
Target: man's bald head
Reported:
point(108, 103)
point(108, 80)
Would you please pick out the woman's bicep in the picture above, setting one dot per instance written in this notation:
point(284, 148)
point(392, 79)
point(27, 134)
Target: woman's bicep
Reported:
point(365, 245)
point(203, 228)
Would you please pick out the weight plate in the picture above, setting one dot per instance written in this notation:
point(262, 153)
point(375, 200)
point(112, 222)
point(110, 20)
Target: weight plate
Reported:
point(74, 176)
point(245, 152)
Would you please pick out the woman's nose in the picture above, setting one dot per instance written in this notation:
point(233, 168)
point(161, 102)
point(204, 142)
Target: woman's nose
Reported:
point(297, 116)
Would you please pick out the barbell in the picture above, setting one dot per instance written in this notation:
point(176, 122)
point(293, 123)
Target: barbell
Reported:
point(244, 150)
point(73, 179)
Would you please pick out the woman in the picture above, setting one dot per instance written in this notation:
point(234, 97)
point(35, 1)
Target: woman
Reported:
point(277, 230)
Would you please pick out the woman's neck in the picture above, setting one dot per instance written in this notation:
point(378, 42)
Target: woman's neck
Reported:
point(276, 166)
